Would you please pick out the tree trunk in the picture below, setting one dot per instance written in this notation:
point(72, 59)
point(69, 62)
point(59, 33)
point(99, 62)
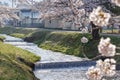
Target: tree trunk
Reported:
point(112, 29)
point(119, 29)
point(95, 32)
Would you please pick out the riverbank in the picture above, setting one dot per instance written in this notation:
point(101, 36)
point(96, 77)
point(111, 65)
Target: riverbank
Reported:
point(67, 42)
point(16, 63)
point(49, 59)
point(54, 65)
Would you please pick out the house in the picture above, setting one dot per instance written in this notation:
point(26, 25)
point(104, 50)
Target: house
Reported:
point(28, 16)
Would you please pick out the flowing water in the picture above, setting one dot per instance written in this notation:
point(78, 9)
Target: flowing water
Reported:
point(55, 65)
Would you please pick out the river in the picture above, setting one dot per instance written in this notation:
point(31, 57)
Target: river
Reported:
point(55, 65)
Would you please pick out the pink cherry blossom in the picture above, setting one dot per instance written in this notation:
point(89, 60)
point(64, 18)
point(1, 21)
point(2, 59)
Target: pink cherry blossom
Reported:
point(106, 48)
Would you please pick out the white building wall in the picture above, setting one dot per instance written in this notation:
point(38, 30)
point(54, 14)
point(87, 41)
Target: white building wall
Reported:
point(52, 24)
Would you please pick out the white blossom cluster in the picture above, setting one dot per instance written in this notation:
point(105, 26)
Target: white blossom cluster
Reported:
point(106, 48)
point(106, 67)
point(94, 73)
point(102, 68)
point(99, 18)
point(84, 40)
point(117, 2)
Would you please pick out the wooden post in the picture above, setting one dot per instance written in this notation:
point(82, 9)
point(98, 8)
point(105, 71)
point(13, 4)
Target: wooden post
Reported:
point(112, 29)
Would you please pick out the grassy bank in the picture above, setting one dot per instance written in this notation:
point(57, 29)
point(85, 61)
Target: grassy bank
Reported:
point(17, 32)
point(65, 42)
point(2, 38)
point(15, 63)
point(69, 43)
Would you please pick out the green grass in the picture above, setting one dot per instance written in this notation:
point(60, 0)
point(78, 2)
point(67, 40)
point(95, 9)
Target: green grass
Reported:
point(18, 35)
point(69, 42)
point(2, 38)
point(65, 42)
point(37, 37)
point(11, 68)
point(11, 30)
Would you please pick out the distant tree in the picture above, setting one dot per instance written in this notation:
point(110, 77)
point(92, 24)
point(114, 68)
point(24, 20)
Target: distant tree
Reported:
point(7, 13)
point(66, 10)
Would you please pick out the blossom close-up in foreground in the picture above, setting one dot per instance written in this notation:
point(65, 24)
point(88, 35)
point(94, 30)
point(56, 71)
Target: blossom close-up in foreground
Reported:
point(117, 2)
point(94, 73)
point(106, 48)
point(107, 67)
point(99, 18)
point(102, 68)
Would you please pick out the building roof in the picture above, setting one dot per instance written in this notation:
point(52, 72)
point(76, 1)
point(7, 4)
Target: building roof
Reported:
point(23, 6)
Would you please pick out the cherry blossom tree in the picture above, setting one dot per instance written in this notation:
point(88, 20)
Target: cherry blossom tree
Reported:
point(74, 11)
point(66, 10)
point(7, 13)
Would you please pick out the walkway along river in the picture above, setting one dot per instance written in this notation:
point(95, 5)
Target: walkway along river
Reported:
point(55, 65)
